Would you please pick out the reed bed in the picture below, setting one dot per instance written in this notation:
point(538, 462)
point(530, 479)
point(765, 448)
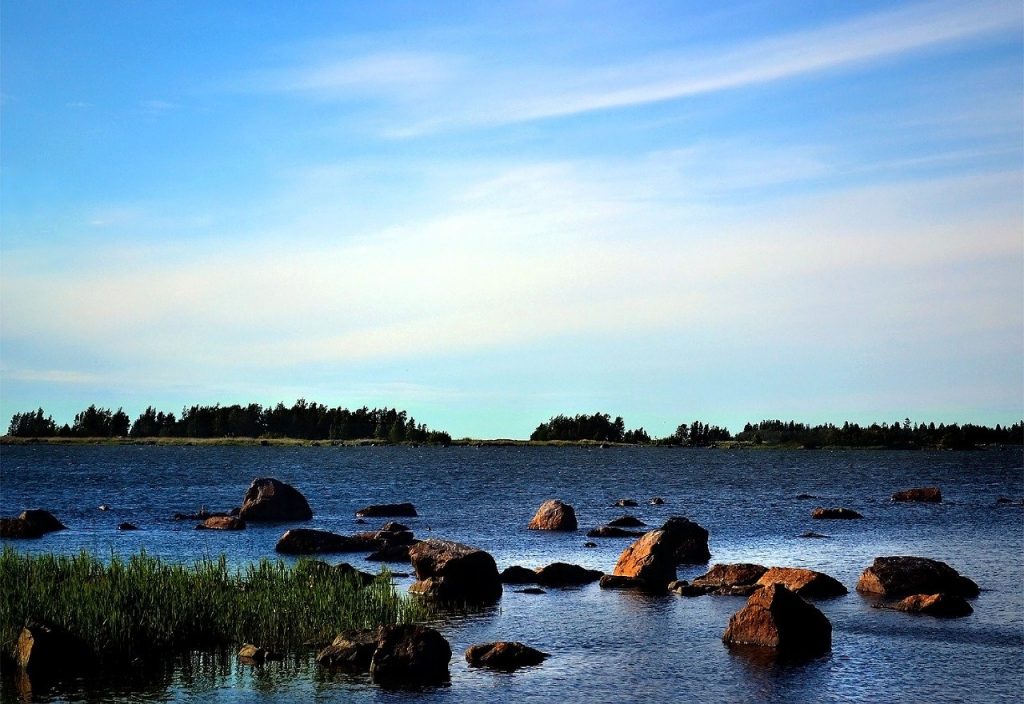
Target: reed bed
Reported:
point(140, 606)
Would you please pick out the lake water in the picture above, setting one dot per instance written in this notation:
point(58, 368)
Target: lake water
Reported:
point(605, 645)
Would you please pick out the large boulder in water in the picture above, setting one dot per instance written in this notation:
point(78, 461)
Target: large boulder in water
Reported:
point(503, 655)
point(941, 605)
point(563, 574)
point(775, 617)
point(268, 499)
point(32, 523)
point(450, 571)
point(806, 583)
point(307, 541)
point(738, 579)
point(651, 559)
point(902, 576)
point(352, 651)
point(410, 655)
point(691, 540)
point(554, 515)
point(926, 494)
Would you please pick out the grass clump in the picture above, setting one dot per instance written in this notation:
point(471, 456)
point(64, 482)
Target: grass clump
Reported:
point(141, 606)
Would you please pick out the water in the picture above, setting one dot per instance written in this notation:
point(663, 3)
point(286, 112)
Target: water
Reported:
point(605, 645)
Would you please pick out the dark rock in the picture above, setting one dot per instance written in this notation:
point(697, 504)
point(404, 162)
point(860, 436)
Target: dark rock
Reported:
point(377, 510)
point(612, 532)
point(928, 494)
point(320, 570)
point(691, 540)
point(410, 655)
point(806, 583)
point(127, 526)
point(624, 503)
point(614, 581)
point(589, 544)
point(775, 617)
point(203, 514)
point(390, 553)
point(684, 588)
point(103, 507)
point(308, 541)
point(1007, 501)
point(518, 575)
point(222, 523)
point(940, 605)
point(562, 574)
point(394, 527)
point(504, 655)
point(32, 523)
point(47, 649)
point(351, 651)
point(812, 534)
point(554, 515)
point(652, 559)
point(454, 572)
point(531, 590)
point(804, 497)
point(739, 579)
point(902, 576)
point(268, 499)
point(360, 521)
point(656, 501)
point(843, 513)
point(627, 522)
point(253, 654)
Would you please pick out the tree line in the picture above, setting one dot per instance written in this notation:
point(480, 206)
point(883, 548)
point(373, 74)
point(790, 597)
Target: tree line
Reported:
point(303, 420)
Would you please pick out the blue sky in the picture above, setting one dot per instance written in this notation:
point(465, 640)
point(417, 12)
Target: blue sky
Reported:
point(491, 213)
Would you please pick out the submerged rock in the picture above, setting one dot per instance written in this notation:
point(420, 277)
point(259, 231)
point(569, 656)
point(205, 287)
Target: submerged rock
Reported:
point(563, 574)
point(253, 654)
point(928, 494)
point(624, 503)
point(902, 576)
point(405, 509)
point(626, 522)
point(612, 532)
point(775, 617)
point(812, 534)
point(454, 572)
point(222, 523)
point(554, 515)
point(32, 523)
point(410, 655)
point(806, 583)
point(504, 655)
point(841, 513)
point(941, 605)
point(268, 499)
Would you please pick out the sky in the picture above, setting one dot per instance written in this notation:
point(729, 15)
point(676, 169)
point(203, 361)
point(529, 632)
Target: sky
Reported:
point(491, 213)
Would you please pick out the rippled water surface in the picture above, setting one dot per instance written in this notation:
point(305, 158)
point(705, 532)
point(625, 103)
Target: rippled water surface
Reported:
point(605, 645)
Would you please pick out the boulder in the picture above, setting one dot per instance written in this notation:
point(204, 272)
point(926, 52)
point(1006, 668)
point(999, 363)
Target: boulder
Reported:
point(941, 605)
point(32, 523)
point(589, 544)
point(804, 497)
point(531, 590)
point(775, 617)
point(504, 655)
point(652, 559)
point(612, 532)
point(350, 651)
point(554, 515)
point(518, 575)
point(405, 510)
point(627, 522)
point(739, 579)
point(807, 583)
point(562, 574)
point(253, 654)
point(320, 570)
point(927, 494)
point(624, 503)
point(410, 655)
point(684, 588)
point(613, 581)
point(221, 523)
point(691, 540)
point(902, 576)
point(308, 541)
point(394, 527)
point(450, 571)
point(268, 499)
point(47, 649)
point(656, 501)
point(127, 526)
point(843, 513)
point(390, 553)
point(812, 534)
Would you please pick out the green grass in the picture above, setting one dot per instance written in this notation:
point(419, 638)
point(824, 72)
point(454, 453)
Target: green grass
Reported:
point(141, 606)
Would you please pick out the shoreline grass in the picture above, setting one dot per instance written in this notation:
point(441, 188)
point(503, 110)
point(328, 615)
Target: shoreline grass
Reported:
point(141, 606)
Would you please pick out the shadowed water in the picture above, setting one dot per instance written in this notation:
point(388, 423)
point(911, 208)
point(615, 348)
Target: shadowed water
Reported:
point(605, 645)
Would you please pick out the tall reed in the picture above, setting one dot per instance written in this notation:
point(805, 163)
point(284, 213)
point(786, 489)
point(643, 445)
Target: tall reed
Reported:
point(134, 607)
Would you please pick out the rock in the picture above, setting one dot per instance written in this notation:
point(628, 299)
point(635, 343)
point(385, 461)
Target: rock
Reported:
point(351, 651)
point(518, 575)
point(562, 574)
point(268, 499)
point(627, 522)
point(589, 544)
point(612, 532)
point(377, 510)
point(318, 570)
point(812, 534)
point(359, 521)
point(928, 494)
point(806, 583)
point(394, 527)
point(775, 617)
point(504, 655)
point(531, 590)
point(941, 605)
point(46, 649)
point(32, 523)
point(691, 540)
point(127, 526)
point(1007, 501)
point(103, 507)
point(624, 503)
point(656, 501)
point(203, 514)
point(410, 655)
point(739, 579)
point(222, 523)
point(684, 588)
point(308, 541)
point(390, 553)
point(554, 515)
point(613, 581)
point(845, 513)
point(804, 497)
point(652, 559)
point(902, 576)
point(450, 571)
point(253, 654)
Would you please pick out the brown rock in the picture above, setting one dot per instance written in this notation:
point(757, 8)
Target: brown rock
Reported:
point(842, 513)
point(32, 523)
point(612, 532)
point(901, 576)
point(268, 499)
point(450, 571)
point(941, 605)
point(627, 522)
point(612, 581)
point(775, 617)
point(739, 579)
point(651, 558)
point(410, 655)
point(684, 588)
point(554, 515)
point(504, 655)
point(351, 651)
point(376, 510)
point(691, 540)
point(807, 583)
point(562, 574)
point(390, 553)
point(307, 541)
point(253, 654)
point(221, 523)
point(927, 494)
